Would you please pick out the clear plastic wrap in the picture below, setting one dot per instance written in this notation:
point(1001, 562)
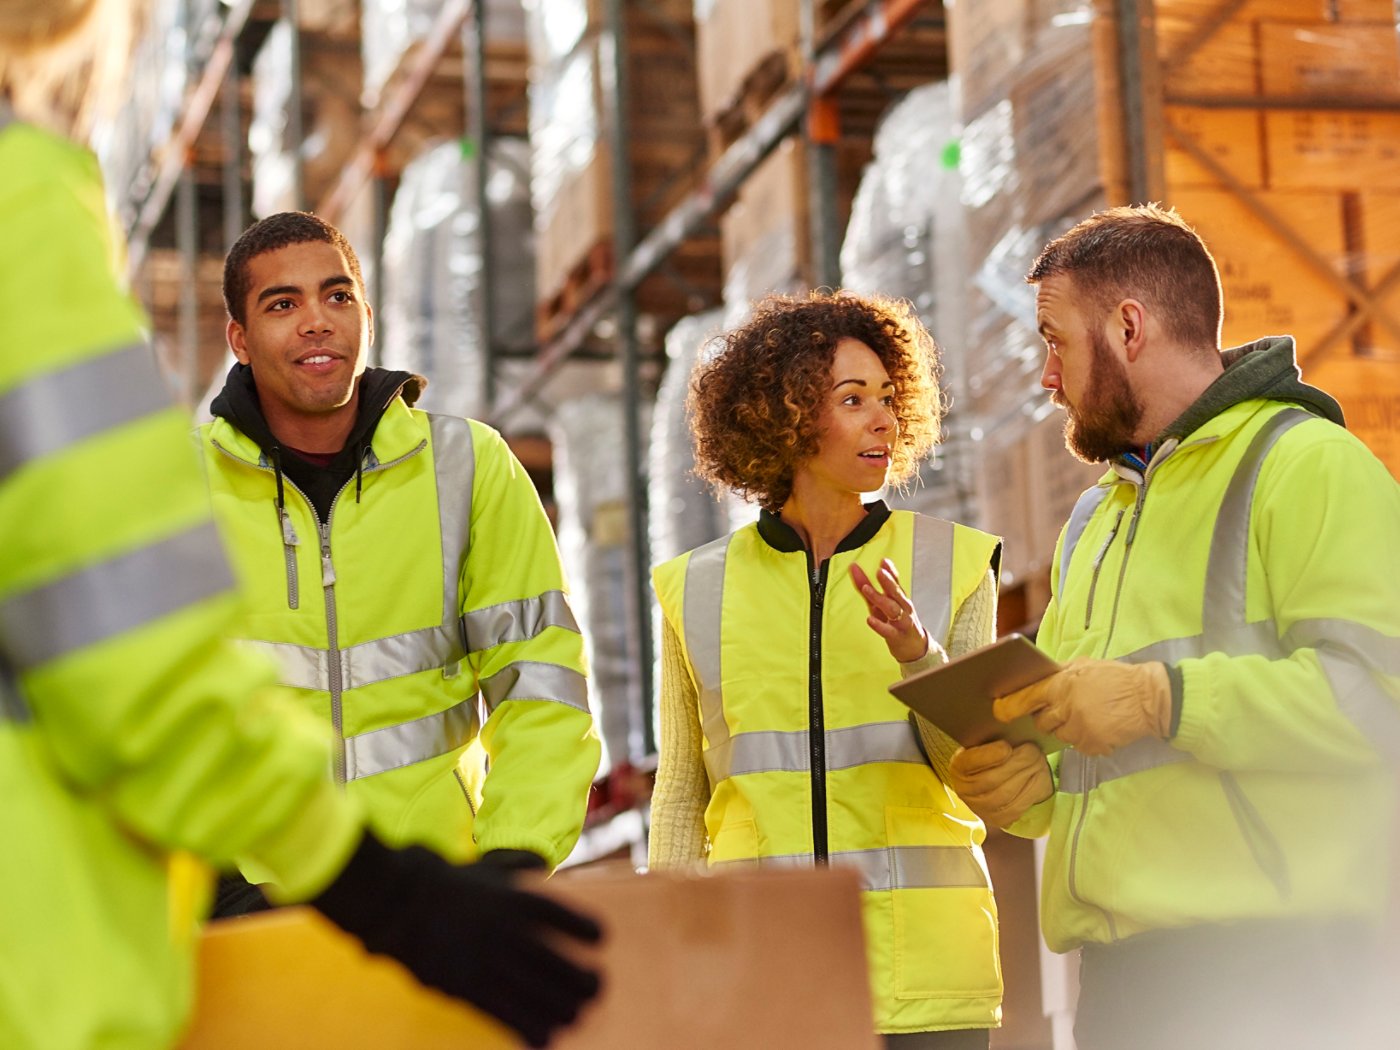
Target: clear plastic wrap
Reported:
point(157, 80)
point(390, 28)
point(683, 510)
point(330, 85)
point(429, 313)
point(591, 489)
point(906, 239)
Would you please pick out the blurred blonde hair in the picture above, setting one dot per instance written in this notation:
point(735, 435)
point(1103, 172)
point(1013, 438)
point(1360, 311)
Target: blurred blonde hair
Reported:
point(64, 62)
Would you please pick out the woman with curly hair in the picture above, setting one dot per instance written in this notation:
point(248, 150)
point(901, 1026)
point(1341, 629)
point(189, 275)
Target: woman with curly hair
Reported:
point(780, 742)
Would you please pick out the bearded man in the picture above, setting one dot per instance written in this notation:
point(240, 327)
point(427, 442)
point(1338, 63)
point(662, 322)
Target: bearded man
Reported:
point(1226, 604)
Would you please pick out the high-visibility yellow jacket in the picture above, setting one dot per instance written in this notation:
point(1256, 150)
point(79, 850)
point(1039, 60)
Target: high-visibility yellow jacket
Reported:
point(431, 594)
point(1259, 556)
point(129, 730)
point(812, 761)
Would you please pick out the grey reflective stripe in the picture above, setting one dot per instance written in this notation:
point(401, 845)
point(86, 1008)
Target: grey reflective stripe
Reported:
point(417, 741)
point(301, 666)
point(1364, 701)
point(1084, 509)
point(308, 667)
point(703, 616)
point(896, 867)
point(48, 413)
point(1364, 644)
point(1251, 639)
point(517, 621)
point(112, 597)
point(1078, 773)
point(774, 751)
point(399, 654)
point(530, 680)
point(1228, 565)
point(454, 469)
point(931, 579)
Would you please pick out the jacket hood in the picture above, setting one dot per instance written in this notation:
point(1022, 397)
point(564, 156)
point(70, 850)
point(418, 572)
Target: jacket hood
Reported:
point(238, 403)
point(1265, 368)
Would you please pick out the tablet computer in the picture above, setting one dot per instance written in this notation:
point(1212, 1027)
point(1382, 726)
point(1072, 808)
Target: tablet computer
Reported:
point(957, 696)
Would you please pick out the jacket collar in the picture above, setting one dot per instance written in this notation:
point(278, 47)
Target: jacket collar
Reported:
point(781, 536)
point(385, 397)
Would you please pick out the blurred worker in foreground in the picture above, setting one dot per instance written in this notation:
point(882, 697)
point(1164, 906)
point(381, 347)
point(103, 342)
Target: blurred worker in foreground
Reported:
point(133, 739)
point(399, 567)
point(1227, 599)
point(780, 742)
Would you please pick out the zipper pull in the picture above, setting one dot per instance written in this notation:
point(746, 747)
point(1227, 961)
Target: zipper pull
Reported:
point(289, 534)
point(327, 569)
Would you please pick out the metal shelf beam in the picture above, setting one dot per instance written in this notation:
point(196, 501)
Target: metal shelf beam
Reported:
point(848, 53)
point(390, 110)
point(177, 151)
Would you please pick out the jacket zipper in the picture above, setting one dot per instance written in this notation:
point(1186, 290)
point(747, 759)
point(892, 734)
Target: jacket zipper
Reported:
point(289, 556)
point(816, 715)
point(334, 682)
point(1098, 564)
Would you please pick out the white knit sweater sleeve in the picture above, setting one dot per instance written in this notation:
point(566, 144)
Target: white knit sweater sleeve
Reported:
point(974, 625)
point(682, 792)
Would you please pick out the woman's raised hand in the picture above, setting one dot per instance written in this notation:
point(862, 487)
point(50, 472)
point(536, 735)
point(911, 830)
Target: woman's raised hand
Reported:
point(892, 614)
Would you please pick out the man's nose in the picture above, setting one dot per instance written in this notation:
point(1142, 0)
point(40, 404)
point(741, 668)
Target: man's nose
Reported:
point(1050, 373)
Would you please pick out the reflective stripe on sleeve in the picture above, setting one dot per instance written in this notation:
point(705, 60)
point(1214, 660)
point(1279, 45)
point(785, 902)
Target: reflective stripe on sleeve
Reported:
point(1084, 508)
point(531, 680)
point(107, 599)
point(48, 413)
point(517, 621)
point(393, 747)
point(454, 471)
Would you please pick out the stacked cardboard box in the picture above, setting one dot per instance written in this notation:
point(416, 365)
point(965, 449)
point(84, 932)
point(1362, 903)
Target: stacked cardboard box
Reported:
point(1296, 109)
point(1295, 201)
point(572, 61)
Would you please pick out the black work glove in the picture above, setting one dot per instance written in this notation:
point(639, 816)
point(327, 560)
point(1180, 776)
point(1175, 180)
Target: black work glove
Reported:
point(466, 930)
point(513, 860)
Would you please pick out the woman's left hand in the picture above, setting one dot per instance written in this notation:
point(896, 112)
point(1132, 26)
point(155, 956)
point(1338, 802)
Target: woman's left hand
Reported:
point(892, 615)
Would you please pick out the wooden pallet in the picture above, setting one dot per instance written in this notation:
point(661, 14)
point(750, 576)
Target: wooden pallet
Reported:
point(758, 89)
point(586, 278)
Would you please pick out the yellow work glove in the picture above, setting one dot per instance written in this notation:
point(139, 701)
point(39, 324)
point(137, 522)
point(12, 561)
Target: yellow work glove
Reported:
point(1096, 706)
point(1000, 782)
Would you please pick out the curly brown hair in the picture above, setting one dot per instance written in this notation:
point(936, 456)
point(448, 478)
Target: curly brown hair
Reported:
point(755, 405)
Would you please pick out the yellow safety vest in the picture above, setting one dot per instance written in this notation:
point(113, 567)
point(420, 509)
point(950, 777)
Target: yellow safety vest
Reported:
point(431, 596)
point(1230, 561)
point(812, 761)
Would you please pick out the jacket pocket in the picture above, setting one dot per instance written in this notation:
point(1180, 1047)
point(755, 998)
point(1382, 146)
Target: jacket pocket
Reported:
point(1267, 853)
point(943, 944)
point(737, 840)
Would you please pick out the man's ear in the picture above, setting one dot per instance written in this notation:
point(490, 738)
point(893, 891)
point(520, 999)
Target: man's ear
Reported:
point(369, 316)
point(1132, 327)
point(236, 342)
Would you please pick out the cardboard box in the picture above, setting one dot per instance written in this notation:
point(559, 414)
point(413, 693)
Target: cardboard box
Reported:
point(767, 228)
point(1369, 393)
point(1380, 255)
point(733, 40)
point(1332, 149)
point(1232, 137)
point(1319, 11)
point(748, 959)
point(1003, 484)
point(1330, 61)
point(1225, 64)
point(1269, 288)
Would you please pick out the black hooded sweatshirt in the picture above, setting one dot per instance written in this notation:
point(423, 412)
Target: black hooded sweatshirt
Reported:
point(238, 403)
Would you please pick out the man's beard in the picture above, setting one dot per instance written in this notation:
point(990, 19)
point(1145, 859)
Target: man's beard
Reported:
point(1102, 427)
